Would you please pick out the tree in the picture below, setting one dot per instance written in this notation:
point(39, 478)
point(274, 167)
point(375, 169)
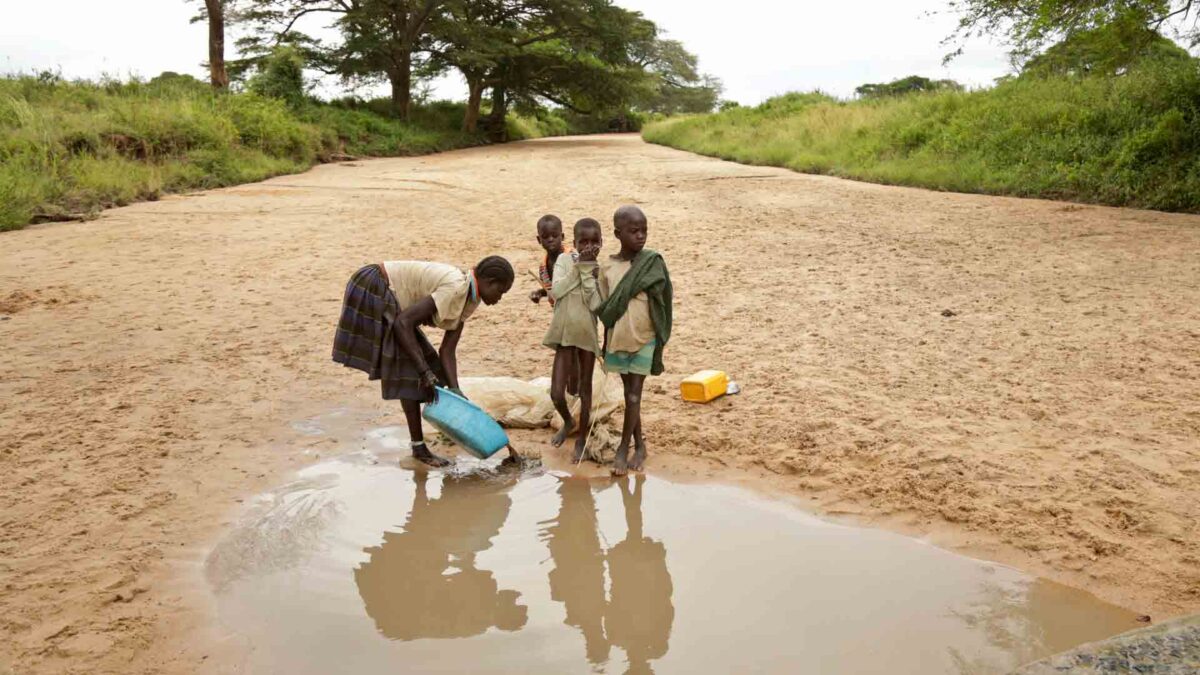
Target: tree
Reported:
point(281, 76)
point(473, 37)
point(572, 53)
point(1106, 50)
point(905, 85)
point(1032, 25)
point(379, 38)
point(581, 57)
point(676, 85)
point(214, 12)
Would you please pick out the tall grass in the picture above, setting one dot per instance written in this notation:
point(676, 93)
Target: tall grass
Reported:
point(71, 148)
point(1130, 140)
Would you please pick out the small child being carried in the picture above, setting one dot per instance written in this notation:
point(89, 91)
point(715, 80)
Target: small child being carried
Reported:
point(572, 334)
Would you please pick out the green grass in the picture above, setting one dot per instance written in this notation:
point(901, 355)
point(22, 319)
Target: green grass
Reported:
point(1129, 140)
point(72, 148)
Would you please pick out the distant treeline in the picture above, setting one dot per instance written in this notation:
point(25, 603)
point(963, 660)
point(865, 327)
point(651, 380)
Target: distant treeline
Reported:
point(588, 57)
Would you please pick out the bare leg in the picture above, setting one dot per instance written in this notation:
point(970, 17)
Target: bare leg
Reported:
point(563, 361)
point(412, 414)
point(587, 362)
point(639, 442)
point(573, 375)
point(633, 417)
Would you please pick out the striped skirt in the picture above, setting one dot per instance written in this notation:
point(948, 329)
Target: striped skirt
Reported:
point(366, 338)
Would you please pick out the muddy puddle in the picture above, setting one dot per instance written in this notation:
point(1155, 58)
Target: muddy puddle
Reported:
point(365, 566)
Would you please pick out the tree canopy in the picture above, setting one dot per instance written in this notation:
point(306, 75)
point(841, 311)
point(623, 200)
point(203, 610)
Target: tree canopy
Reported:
point(905, 85)
point(588, 56)
point(1105, 50)
point(1030, 26)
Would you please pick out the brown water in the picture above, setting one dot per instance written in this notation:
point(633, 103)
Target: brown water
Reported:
point(366, 567)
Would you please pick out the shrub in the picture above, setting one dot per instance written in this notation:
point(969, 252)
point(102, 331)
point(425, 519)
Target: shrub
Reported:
point(1126, 140)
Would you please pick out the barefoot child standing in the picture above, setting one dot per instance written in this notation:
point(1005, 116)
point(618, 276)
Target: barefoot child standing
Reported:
point(379, 330)
point(636, 313)
point(550, 238)
point(572, 333)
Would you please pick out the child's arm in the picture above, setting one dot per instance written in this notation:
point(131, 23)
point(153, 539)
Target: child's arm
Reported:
point(588, 271)
point(536, 296)
point(408, 321)
point(602, 285)
point(590, 286)
point(565, 277)
point(448, 353)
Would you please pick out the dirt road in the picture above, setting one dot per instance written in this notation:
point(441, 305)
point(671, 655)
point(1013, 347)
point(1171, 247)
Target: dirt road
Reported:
point(1016, 379)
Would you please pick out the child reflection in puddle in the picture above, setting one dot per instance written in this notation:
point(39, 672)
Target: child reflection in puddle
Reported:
point(640, 612)
point(638, 615)
point(577, 580)
point(422, 582)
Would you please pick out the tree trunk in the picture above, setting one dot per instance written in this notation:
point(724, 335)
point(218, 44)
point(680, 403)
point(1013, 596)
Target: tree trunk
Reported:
point(474, 98)
point(401, 79)
point(216, 44)
point(496, 127)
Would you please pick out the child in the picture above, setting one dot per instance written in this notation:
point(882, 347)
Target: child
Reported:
point(550, 237)
point(379, 330)
point(572, 333)
point(636, 313)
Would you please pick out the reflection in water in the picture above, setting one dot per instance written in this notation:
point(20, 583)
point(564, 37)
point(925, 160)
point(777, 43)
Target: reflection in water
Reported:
point(422, 582)
point(762, 587)
point(1030, 618)
point(640, 611)
point(577, 580)
point(639, 614)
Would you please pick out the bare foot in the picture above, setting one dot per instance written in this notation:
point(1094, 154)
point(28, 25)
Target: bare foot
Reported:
point(620, 465)
point(580, 449)
point(639, 458)
point(561, 436)
point(422, 454)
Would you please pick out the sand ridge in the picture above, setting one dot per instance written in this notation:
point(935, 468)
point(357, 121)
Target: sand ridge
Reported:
point(1014, 378)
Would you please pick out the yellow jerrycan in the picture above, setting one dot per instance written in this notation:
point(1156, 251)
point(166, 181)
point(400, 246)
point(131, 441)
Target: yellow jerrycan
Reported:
point(704, 386)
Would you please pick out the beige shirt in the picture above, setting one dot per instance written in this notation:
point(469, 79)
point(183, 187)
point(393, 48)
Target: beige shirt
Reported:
point(632, 331)
point(577, 295)
point(450, 288)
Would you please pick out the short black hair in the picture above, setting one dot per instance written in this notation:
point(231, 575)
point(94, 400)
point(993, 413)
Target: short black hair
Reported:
point(585, 224)
point(497, 269)
point(548, 220)
point(628, 214)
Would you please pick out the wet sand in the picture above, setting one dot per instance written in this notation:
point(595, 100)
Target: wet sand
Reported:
point(361, 564)
point(156, 358)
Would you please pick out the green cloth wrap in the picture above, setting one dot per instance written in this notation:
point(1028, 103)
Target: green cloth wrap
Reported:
point(647, 274)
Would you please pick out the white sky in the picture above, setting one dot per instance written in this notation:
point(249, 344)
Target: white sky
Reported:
point(763, 48)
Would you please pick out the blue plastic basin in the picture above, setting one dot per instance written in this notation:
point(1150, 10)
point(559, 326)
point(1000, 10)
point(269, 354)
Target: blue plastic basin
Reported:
point(466, 423)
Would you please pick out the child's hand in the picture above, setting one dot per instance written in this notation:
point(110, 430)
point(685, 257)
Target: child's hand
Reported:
point(429, 380)
point(536, 296)
point(588, 253)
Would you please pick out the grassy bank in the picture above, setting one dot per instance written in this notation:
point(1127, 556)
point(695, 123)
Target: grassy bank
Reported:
point(1130, 140)
point(71, 148)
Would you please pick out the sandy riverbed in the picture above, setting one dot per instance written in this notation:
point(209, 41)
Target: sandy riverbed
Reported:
point(156, 358)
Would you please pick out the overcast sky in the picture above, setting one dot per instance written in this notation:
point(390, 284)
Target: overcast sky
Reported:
point(758, 48)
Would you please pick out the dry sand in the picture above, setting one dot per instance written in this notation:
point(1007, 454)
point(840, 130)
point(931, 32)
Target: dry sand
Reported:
point(155, 359)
